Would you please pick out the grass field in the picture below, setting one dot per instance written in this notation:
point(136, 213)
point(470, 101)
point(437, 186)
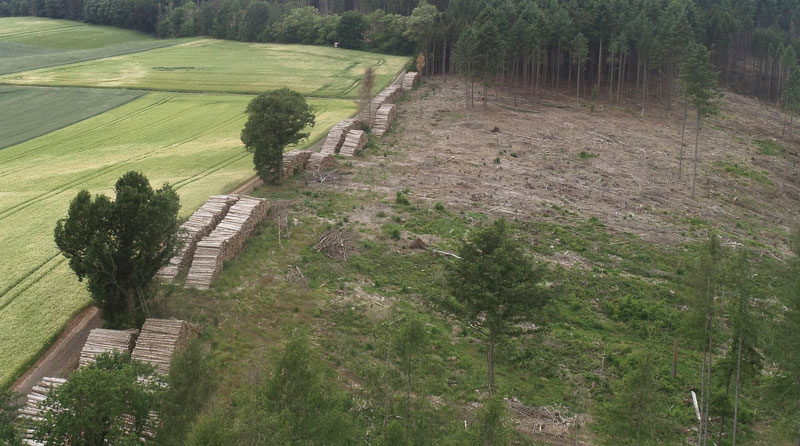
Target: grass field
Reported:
point(222, 66)
point(28, 112)
point(189, 140)
point(28, 43)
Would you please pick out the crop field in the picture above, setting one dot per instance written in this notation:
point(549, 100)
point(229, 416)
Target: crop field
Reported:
point(28, 43)
point(28, 112)
point(189, 140)
point(209, 65)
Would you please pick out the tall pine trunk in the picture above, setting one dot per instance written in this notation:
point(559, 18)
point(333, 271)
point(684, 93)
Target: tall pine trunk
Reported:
point(683, 133)
point(490, 358)
point(696, 142)
point(738, 383)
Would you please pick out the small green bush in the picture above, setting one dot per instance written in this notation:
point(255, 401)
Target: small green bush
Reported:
point(401, 199)
point(439, 206)
point(587, 155)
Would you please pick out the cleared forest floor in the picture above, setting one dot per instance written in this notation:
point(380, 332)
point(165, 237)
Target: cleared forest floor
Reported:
point(614, 164)
point(597, 196)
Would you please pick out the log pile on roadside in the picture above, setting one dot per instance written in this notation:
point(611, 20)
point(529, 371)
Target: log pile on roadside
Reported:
point(354, 142)
point(383, 119)
point(200, 224)
point(36, 402)
point(159, 340)
point(337, 134)
point(35, 407)
point(295, 159)
point(226, 241)
point(320, 162)
point(102, 341)
point(410, 80)
point(387, 96)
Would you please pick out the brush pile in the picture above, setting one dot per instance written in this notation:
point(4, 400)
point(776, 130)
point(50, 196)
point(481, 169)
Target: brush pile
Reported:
point(200, 224)
point(335, 243)
point(102, 341)
point(160, 339)
point(546, 420)
point(410, 80)
point(295, 159)
point(226, 241)
point(383, 119)
point(337, 134)
point(354, 142)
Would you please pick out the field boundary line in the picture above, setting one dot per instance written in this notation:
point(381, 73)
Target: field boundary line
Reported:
point(24, 288)
point(78, 135)
point(136, 96)
point(64, 187)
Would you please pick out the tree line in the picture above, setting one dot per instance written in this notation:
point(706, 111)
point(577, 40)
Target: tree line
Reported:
point(610, 48)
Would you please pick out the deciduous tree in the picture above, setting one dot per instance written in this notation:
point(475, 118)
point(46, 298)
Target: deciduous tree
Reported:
point(275, 120)
point(106, 402)
point(119, 246)
point(10, 434)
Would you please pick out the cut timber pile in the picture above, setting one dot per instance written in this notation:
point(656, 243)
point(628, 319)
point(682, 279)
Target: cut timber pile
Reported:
point(387, 96)
point(199, 225)
point(226, 241)
point(36, 405)
point(295, 159)
point(159, 340)
point(353, 142)
point(336, 136)
point(383, 119)
point(319, 162)
point(410, 79)
point(36, 399)
point(101, 341)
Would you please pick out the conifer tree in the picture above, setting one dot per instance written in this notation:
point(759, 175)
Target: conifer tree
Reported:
point(700, 86)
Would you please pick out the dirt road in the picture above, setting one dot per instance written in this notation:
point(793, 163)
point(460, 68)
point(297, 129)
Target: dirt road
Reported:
point(62, 357)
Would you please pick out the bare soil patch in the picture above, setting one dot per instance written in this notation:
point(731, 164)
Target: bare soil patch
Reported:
point(616, 163)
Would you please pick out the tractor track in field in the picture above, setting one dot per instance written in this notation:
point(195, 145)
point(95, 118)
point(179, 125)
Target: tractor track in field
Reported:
point(64, 187)
point(41, 31)
point(30, 273)
point(83, 133)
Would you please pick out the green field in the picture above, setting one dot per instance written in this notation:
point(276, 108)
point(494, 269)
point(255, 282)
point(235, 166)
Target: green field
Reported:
point(62, 135)
point(28, 112)
point(189, 140)
point(222, 66)
point(28, 43)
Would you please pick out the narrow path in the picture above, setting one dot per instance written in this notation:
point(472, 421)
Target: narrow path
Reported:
point(62, 357)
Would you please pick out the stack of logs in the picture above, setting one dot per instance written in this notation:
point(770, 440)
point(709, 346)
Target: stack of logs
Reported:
point(337, 134)
point(353, 142)
point(387, 96)
point(410, 79)
point(101, 341)
point(157, 343)
point(295, 159)
point(383, 119)
point(35, 406)
point(319, 162)
point(199, 225)
point(226, 241)
point(159, 340)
